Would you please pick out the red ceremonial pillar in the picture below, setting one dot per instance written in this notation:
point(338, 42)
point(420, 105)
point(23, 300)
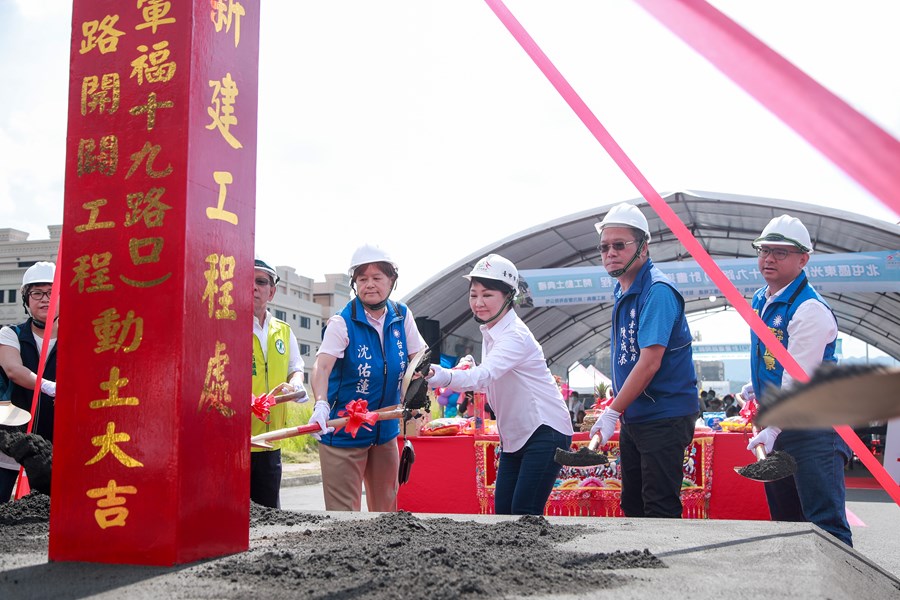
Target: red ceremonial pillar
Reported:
point(151, 445)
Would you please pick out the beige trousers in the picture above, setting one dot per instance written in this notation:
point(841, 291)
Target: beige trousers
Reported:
point(345, 469)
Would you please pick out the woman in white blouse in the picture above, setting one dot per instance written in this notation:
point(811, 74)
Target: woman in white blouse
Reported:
point(532, 417)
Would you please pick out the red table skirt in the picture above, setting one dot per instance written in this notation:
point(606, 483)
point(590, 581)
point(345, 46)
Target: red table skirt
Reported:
point(454, 474)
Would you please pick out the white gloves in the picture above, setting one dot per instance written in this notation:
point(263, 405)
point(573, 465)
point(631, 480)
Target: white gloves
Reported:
point(48, 387)
point(747, 392)
point(466, 362)
point(440, 377)
point(766, 438)
point(319, 416)
point(606, 424)
point(298, 387)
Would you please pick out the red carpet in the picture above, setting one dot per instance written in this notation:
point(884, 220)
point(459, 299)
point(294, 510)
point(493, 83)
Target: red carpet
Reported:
point(862, 483)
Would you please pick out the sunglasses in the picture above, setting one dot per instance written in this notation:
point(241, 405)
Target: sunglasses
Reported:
point(407, 458)
point(617, 246)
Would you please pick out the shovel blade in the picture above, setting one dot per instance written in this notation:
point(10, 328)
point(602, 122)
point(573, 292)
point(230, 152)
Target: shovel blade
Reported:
point(773, 467)
point(584, 457)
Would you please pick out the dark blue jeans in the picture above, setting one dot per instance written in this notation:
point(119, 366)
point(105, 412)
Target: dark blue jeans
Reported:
point(652, 463)
point(265, 478)
point(7, 483)
point(525, 477)
point(816, 493)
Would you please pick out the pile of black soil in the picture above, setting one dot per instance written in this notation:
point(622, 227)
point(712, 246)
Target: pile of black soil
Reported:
point(24, 524)
point(397, 555)
point(261, 516)
point(31, 451)
point(777, 465)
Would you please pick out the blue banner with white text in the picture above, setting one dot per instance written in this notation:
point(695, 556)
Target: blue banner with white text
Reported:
point(845, 273)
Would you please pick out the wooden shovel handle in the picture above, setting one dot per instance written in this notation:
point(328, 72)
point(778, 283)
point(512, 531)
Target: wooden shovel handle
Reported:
point(758, 449)
point(289, 396)
point(288, 432)
point(595, 443)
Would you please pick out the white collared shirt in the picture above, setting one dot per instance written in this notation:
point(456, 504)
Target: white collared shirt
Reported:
point(336, 339)
point(810, 329)
point(295, 360)
point(520, 388)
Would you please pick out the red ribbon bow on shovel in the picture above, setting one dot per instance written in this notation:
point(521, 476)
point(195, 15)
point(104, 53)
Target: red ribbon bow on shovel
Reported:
point(260, 406)
point(357, 411)
point(748, 412)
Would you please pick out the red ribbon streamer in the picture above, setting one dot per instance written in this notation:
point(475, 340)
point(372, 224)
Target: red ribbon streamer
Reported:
point(22, 487)
point(358, 415)
point(863, 150)
point(888, 177)
point(260, 406)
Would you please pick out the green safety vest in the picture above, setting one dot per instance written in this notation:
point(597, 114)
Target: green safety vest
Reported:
point(268, 374)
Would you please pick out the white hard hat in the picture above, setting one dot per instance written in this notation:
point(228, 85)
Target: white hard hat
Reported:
point(39, 272)
point(369, 253)
point(785, 231)
point(262, 265)
point(13, 416)
point(624, 215)
point(494, 266)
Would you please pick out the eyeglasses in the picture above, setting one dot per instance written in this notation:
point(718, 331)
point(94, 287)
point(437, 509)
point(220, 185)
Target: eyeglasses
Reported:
point(262, 282)
point(777, 253)
point(617, 246)
point(38, 295)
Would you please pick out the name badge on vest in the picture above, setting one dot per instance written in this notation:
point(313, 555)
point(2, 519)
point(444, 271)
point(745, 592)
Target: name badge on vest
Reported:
point(279, 345)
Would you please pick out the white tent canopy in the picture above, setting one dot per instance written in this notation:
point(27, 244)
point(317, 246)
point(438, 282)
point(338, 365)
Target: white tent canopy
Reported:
point(584, 380)
point(725, 224)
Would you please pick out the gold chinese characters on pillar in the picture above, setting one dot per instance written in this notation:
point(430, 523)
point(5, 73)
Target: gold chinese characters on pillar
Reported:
point(151, 453)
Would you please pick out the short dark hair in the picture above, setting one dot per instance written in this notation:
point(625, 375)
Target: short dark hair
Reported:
point(492, 284)
point(385, 267)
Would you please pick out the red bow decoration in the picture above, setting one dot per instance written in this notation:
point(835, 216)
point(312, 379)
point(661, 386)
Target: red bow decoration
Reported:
point(260, 406)
point(602, 403)
point(748, 413)
point(358, 415)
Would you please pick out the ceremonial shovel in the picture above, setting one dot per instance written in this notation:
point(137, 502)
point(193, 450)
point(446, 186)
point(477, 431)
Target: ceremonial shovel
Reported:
point(586, 456)
point(413, 396)
point(263, 440)
point(777, 465)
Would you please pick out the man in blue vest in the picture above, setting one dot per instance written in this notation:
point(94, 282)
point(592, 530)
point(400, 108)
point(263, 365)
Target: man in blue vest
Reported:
point(278, 366)
point(653, 381)
point(805, 325)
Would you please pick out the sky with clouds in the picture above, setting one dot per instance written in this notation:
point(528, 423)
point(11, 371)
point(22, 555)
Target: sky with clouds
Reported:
point(422, 125)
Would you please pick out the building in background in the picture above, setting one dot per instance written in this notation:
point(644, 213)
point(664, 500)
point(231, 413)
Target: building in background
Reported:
point(301, 302)
point(17, 253)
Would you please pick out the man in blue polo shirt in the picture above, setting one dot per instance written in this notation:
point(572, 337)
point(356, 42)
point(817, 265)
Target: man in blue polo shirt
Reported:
point(653, 381)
